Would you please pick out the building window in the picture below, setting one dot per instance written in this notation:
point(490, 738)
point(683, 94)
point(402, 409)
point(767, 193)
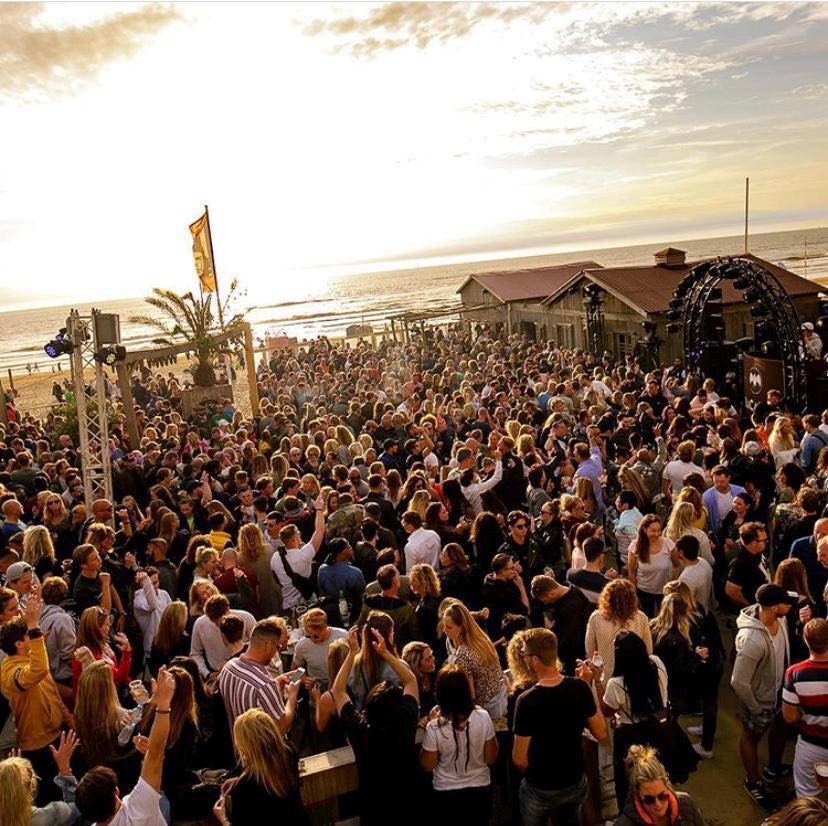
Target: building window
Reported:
point(565, 335)
point(624, 345)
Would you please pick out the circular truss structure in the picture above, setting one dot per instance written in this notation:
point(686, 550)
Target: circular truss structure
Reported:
point(696, 309)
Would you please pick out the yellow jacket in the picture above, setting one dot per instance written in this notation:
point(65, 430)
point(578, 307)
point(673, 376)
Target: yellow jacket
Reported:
point(27, 683)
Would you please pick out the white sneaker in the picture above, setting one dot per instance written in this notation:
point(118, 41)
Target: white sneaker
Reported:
point(702, 752)
point(696, 731)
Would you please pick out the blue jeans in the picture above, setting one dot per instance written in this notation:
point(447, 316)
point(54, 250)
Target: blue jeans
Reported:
point(537, 805)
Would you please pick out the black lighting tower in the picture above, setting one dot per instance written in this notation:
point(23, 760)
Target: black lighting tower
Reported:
point(696, 309)
point(594, 307)
point(650, 346)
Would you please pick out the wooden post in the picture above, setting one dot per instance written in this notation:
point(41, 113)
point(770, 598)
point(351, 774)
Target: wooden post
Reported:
point(4, 415)
point(250, 365)
point(393, 329)
point(122, 370)
point(11, 379)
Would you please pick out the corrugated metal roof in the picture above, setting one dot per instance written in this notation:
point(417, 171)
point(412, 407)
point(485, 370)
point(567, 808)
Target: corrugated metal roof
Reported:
point(528, 284)
point(650, 288)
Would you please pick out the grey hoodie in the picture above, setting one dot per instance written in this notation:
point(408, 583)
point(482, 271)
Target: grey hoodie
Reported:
point(59, 630)
point(755, 679)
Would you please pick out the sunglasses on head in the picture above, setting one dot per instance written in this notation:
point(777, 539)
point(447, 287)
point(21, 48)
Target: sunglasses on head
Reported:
point(650, 799)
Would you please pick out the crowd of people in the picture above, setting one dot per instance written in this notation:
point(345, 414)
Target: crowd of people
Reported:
point(507, 574)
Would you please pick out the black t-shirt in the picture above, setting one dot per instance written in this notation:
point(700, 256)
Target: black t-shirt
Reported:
point(554, 717)
point(250, 803)
point(590, 583)
point(748, 571)
point(567, 616)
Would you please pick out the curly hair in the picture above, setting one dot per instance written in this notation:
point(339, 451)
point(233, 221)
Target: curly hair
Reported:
point(618, 601)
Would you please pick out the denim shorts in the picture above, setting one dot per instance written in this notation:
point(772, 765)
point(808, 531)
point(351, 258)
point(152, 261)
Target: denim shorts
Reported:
point(757, 722)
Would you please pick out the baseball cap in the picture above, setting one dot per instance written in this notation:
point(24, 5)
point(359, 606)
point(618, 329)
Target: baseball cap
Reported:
point(773, 594)
point(17, 570)
point(808, 326)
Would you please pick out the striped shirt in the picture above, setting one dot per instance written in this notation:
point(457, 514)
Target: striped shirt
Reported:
point(246, 684)
point(806, 686)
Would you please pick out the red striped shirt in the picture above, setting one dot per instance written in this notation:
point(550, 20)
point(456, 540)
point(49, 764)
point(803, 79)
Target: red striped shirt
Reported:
point(806, 686)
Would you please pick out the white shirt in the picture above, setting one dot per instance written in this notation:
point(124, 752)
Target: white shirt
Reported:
point(313, 656)
point(140, 807)
point(148, 607)
point(424, 547)
point(460, 754)
point(616, 696)
point(699, 579)
point(207, 647)
point(676, 470)
point(300, 561)
point(475, 490)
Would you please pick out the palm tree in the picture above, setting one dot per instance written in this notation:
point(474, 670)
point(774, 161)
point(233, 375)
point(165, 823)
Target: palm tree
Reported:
point(185, 318)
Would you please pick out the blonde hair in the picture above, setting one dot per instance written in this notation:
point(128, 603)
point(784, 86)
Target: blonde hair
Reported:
point(251, 543)
point(315, 618)
point(196, 605)
point(522, 675)
point(420, 502)
point(779, 441)
point(96, 713)
point(472, 635)
point(673, 614)
point(37, 544)
point(681, 520)
point(643, 766)
point(681, 589)
point(263, 753)
point(18, 785)
point(426, 580)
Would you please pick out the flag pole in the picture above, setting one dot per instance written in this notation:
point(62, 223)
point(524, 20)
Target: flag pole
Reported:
point(747, 201)
point(215, 274)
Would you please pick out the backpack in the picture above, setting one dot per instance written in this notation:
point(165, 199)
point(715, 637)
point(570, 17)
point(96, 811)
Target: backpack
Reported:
point(306, 586)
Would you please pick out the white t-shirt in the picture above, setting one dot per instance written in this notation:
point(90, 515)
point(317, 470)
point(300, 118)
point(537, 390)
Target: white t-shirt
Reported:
point(140, 807)
point(652, 576)
point(699, 579)
point(460, 761)
point(724, 501)
point(616, 697)
point(313, 657)
point(676, 470)
point(300, 561)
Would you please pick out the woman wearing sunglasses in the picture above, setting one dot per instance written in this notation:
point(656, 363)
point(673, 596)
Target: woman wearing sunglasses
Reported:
point(651, 799)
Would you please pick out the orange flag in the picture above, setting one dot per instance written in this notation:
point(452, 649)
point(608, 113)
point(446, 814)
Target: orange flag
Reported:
point(201, 254)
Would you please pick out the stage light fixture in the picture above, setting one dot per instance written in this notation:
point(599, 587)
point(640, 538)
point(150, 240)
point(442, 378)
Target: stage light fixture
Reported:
point(59, 346)
point(673, 327)
point(110, 355)
point(759, 311)
point(673, 314)
point(742, 282)
point(744, 344)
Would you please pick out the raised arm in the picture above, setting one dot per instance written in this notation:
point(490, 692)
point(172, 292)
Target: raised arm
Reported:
point(339, 689)
point(153, 764)
point(401, 669)
point(319, 524)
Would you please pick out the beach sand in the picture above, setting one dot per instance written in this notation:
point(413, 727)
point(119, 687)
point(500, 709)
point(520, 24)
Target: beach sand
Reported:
point(34, 393)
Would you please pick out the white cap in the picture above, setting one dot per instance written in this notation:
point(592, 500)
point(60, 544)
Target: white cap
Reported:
point(808, 326)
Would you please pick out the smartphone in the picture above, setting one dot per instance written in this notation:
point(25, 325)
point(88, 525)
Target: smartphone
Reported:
point(297, 675)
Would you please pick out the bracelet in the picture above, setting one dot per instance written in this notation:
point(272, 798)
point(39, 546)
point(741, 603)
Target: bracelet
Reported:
point(161, 711)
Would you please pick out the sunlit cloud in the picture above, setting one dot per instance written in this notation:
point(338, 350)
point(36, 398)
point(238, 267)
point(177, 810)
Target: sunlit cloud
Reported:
point(38, 57)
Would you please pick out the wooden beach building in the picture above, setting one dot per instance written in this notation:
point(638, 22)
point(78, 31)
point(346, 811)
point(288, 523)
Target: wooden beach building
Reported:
point(634, 294)
point(548, 302)
point(515, 298)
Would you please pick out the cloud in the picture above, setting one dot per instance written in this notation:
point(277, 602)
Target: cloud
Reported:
point(396, 25)
point(37, 58)
point(392, 26)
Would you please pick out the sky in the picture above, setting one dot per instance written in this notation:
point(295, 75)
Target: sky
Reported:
point(335, 138)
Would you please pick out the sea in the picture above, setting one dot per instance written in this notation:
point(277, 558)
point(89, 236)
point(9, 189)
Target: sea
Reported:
point(329, 306)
